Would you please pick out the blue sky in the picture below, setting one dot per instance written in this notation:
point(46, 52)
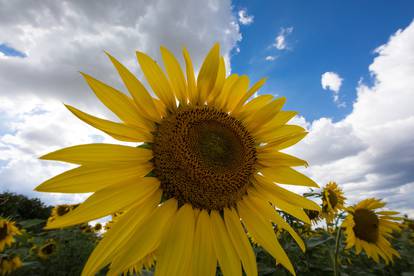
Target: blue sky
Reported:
point(338, 36)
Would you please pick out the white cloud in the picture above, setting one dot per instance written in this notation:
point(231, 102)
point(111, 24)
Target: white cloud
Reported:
point(371, 151)
point(244, 18)
point(270, 58)
point(333, 82)
point(280, 40)
point(62, 37)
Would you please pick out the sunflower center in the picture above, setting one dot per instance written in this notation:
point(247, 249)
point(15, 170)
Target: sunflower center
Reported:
point(204, 157)
point(3, 232)
point(62, 210)
point(333, 198)
point(312, 214)
point(366, 225)
point(48, 248)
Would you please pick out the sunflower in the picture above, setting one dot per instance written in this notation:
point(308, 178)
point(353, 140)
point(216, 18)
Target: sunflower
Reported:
point(7, 232)
point(47, 249)
point(61, 210)
point(369, 230)
point(314, 216)
point(97, 227)
point(9, 264)
point(332, 201)
point(210, 162)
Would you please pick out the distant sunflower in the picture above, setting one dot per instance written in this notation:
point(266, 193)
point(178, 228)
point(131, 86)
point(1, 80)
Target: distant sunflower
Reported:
point(211, 157)
point(61, 210)
point(333, 201)
point(314, 216)
point(47, 249)
point(97, 227)
point(8, 230)
point(9, 264)
point(369, 230)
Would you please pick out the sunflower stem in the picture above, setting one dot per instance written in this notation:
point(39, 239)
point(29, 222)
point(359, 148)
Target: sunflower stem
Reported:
point(336, 255)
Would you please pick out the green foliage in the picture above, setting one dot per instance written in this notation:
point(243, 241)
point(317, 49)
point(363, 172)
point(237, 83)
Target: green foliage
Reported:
point(73, 248)
point(319, 256)
point(20, 207)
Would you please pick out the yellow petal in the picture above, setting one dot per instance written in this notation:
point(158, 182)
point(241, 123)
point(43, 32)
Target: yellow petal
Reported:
point(146, 238)
point(218, 86)
point(226, 254)
point(280, 119)
point(191, 83)
point(86, 179)
point(286, 175)
point(262, 231)
point(292, 210)
point(119, 103)
point(118, 131)
point(279, 133)
point(221, 98)
point(249, 93)
point(264, 115)
point(157, 80)
point(237, 92)
point(175, 75)
point(276, 192)
point(108, 201)
point(284, 142)
point(116, 237)
point(240, 241)
point(204, 258)
point(174, 253)
point(277, 159)
point(254, 105)
point(208, 74)
point(270, 213)
point(90, 154)
point(141, 96)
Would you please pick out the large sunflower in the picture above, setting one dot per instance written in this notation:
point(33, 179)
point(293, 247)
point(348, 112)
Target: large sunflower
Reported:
point(210, 162)
point(8, 230)
point(368, 229)
point(333, 201)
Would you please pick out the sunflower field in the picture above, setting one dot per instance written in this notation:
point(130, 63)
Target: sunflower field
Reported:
point(199, 190)
point(34, 251)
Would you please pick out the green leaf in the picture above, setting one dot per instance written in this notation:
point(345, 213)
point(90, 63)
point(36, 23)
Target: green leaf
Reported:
point(31, 222)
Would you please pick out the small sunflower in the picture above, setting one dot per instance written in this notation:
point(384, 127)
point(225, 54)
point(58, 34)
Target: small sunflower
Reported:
point(85, 228)
point(8, 230)
point(61, 210)
point(210, 162)
point(314, 216)
point(369, 230)
point(97, 227)
point(333, 201)
point(9, 264)
point(47, 249)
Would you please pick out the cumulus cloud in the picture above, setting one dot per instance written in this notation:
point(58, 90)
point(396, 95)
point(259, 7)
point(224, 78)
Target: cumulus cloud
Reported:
point(59, 38)
point(270, 58)
point(244, 18)
point(64, 37)
point(370, 152)
point(280, 40)
point(333, 82)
